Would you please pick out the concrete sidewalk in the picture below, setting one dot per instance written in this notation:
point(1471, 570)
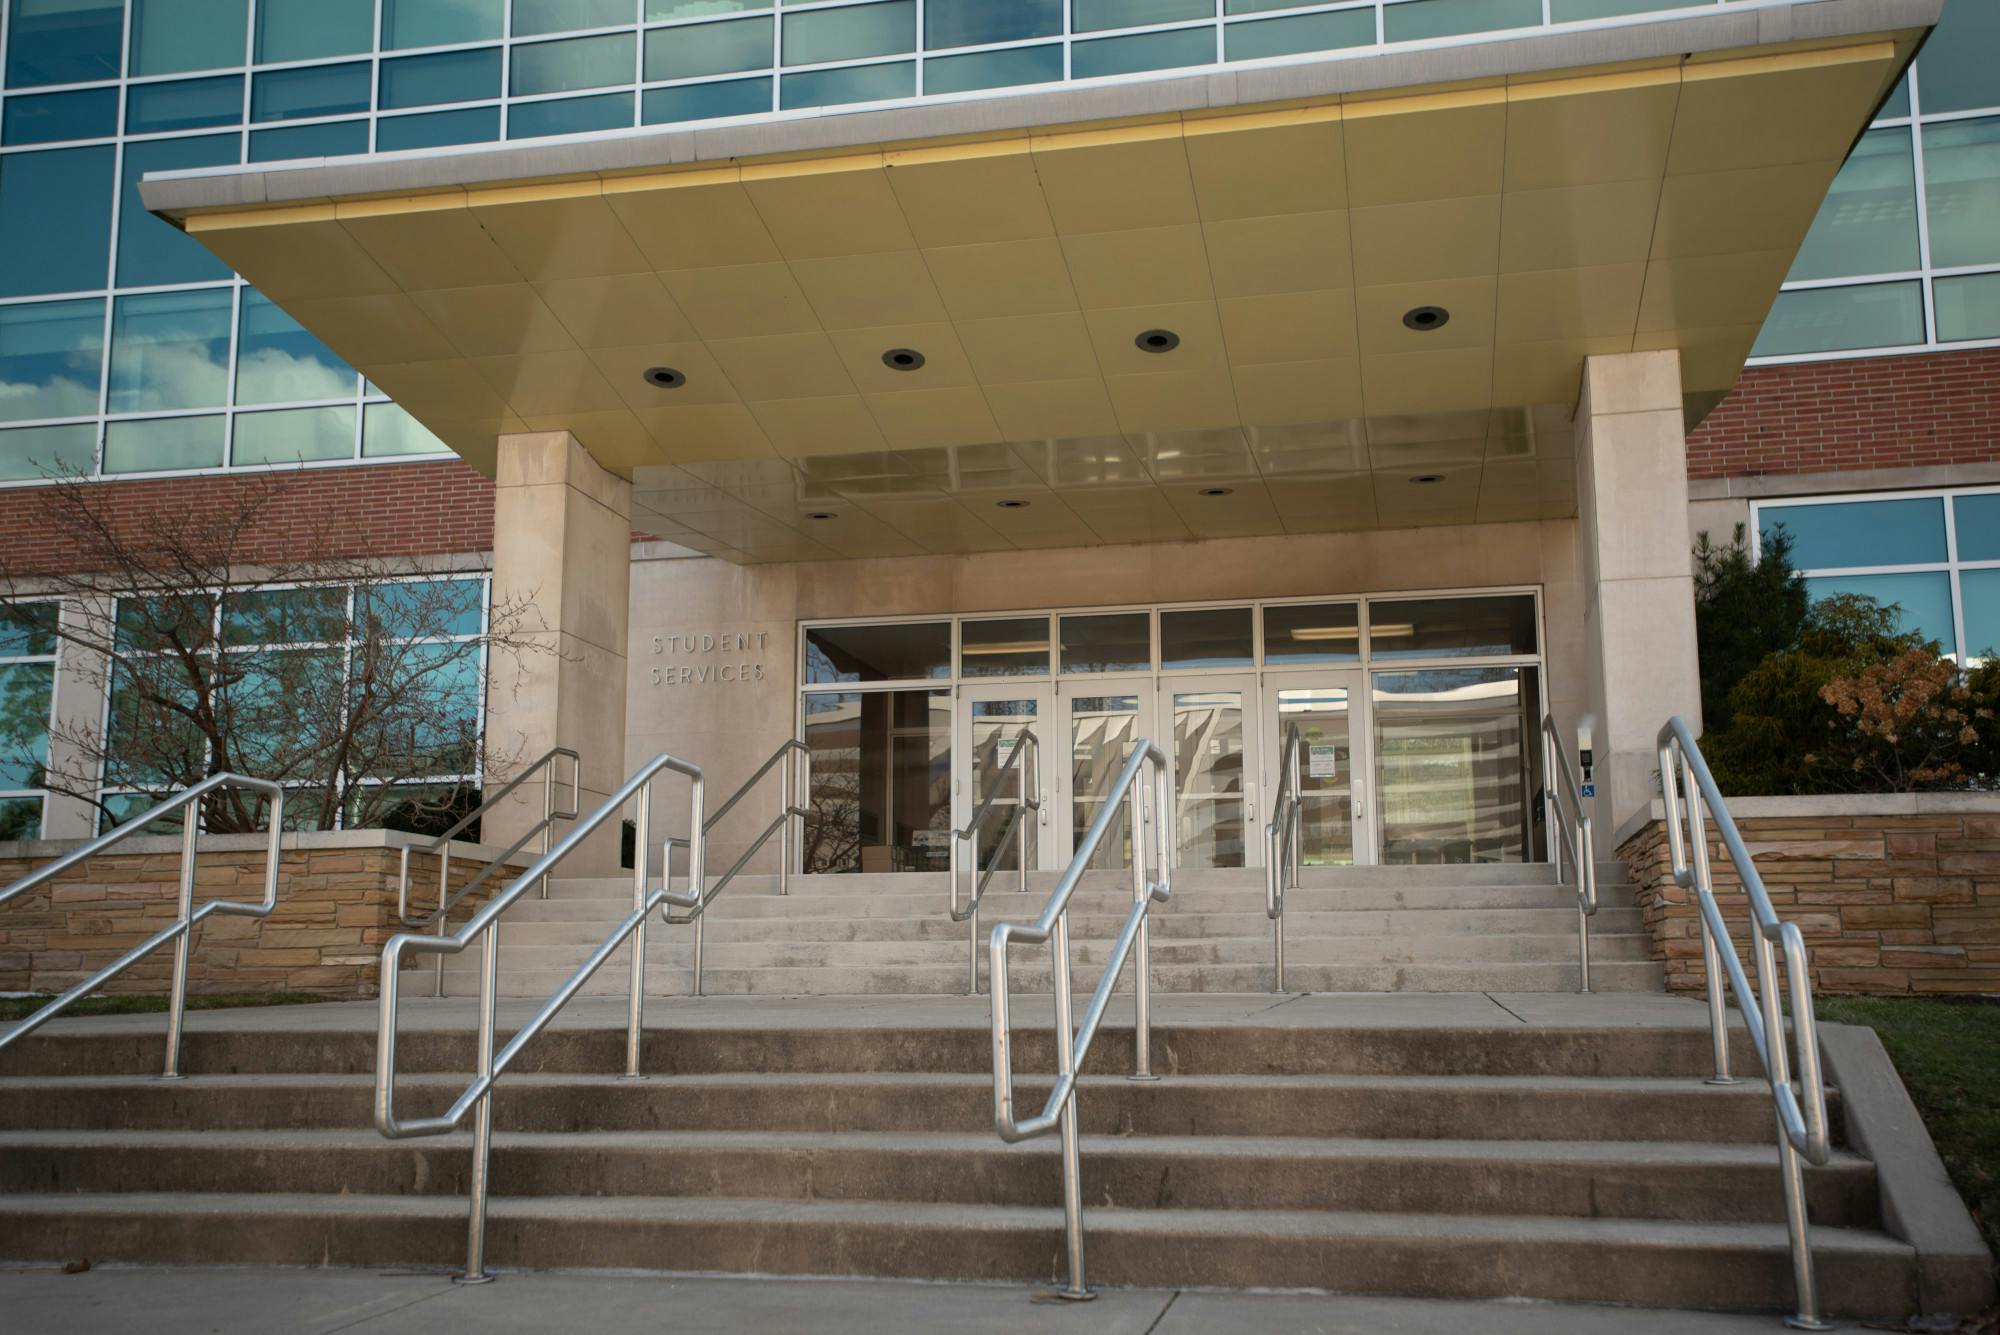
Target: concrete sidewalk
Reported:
point(112, 1301)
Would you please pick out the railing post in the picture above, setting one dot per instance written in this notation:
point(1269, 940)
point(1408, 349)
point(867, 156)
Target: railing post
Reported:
point(1778, 1070)
point(482, 1125)
point(548, 818)
point(787, 799)
point(1711, 949)
point(1072, 1167)
point(184, 943)
point(635, 1017)
point(1142, 982)
point(443, 913)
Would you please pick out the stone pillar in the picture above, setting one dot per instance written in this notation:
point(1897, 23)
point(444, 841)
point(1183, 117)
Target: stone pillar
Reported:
point(562, 531)
point(1638, 572)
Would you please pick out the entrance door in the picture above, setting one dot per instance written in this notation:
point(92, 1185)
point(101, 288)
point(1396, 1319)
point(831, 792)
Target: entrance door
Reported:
point(1213, 727)
point(1104, 721)
point(1336, 824)
point(992, 720)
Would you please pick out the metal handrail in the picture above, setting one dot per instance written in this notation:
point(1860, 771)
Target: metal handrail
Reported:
point(1059, 1111)
point(441, 846)
point(789, 809)
point(1564, 804)
point(478, 1096)
point(1017, 828)
point(181, 930)
point(1283, 849)
point(1688, 788)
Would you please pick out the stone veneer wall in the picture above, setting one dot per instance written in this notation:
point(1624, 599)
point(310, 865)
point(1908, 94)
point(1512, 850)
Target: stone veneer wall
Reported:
point(336, 907)
point(1895, 894)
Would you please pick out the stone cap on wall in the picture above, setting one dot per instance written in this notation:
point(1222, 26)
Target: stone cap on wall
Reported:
point(1828, 805)
point(297, 841)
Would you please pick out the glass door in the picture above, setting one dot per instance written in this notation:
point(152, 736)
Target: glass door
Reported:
point(1106, 718)
point(1335, 824)
point(1216, 774)
point(992, 721)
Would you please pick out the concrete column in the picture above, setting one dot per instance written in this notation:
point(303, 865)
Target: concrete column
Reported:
point(82, 678)
point(1638, 573)
point(561, 543)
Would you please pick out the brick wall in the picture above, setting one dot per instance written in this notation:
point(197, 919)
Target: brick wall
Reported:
point(1876, 412)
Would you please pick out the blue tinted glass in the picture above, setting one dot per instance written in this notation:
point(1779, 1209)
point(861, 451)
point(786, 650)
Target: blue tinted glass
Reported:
point(1147, 51)
point(704, 101)
point(296, 435)
point(870, 83)
point(454, 76)
point(570, 115)
point(1957, 71)
point(475, 125)
point(540, 16)
point(977, 22)
point(164, 442)
point(47, 451)
point(1967, 307)
point(313, 90)
point(1977, 519)
point(170, 350)
point(407, 23)
point(279, 362)
point(1307, 32)
point(388, 429)
point(1981, 590)
point(313, 29)
point(186, 104)
point(54, 355)
point(170, 36)
point(28, 628)
point(64, 41)
point(1095, 15)
point(657, 10)
point(850, 34)
point(1924, 600)
point(1827, 319)
point(1860, 533)
point(708, 48)
point(572, 65)
point(1868, 223)
point(90, 114)
point(426, 609)
point(151, 251)
point(1962, 190)
point(993, 69)
point(55, 220)
point(1899, 100)
point(1446, 18)
point(26, 690)
point(339, 140)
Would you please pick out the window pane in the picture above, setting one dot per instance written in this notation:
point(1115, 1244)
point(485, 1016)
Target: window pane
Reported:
point(452, 76)
point(704, 101)
point(977, 22)
point(1148, 51)
point(1452, 627)
point(184, 104)
point(1977, 519)
point(388, 430)
point(1571, 11)
point(1981, 589)
point(1923, 600)
point(1957, 71)
point(657, 10)
point(340, 139)
point(850, 34)
point(1103, 729)
point(1312, 633)
point(1967, 307)
point(407, 23)
point(1307, 32)
point(474, 125)
point(1874, 315)
point(709, 48)
point(312, 29)
point(54, 355)
point(284, 616)
point(170, 350)
point(90, 114)
point(878, 653)
point(316, 90)
point(1447, 18)
point(21, 818)
point(1015, 647)
point(296, 436)
point(1868, 223)
point(570, 115)
point(993, 69)
point(880, 790)
point(1962, 190)
point(1899, 100)
point(539, 16)
point(1859, 533)
point(55, 220)
point(1107, 642)
point(275, 701)
point(25, 692)
point(1449, 764)
point(152, 252)
point(169, 36)
point(279, 362)
point(167, 621)
point(580, 62)
point(1205, 637)
point(28, 629)
point(47, 451)
point(1096, 15)
point(167, 442)
point(64, 41)
point(868, 83)
point(422, 608)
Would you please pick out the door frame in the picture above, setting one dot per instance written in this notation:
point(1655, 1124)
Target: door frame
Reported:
point(1360, 743)
point(1255, 782)
point(963, 791)
point(1146, 688)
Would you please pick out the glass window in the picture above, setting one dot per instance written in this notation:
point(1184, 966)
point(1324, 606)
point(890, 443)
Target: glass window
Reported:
point(407, 23)
point(850, 34)
point(183, 104)
point(279, 362)
point(532, 17)
point(169, 36)
point(657, 10)
point(28, 630)
point(1210, 825)
point(312, 615)
point(978, 22)
point(1828, 319)
point(1306, 32)
point(994, 69)
point(55, 220)
point(1977, 519)
point(89, 114)
point(1967, 307)
point(1957, 69)
point(568, 66)
point(1447, 18)
point(1102, 732)
point(879, 781)
point(335, 140)
point(427, 608)
point(163, 443)
point(1452, 756)
point(1097, 15)
point(1573, 11)
point(450, 76)
point(1013, 647)
point(865, 83)
point(313, 29)
point(1922, 600)
point(387, 429)
point(1205, 637)
point(299, 435)
point(1899, 100)
point(892, 652)
point(473, 125)
point(1312, 633)
point(63, 41)
point(709, 48)
point(569, 115)
point(47, 451)
point(1868, 223)
point(1859, 533)
point(1107, 642)
point(54, 355)
point(1146, 51)
point(26, 691)
point(152, 252)
point(1981, 590)
point(313, 90)
point(705, 101)
point(1962, 190)
point(1452, 627)
point(170, 350)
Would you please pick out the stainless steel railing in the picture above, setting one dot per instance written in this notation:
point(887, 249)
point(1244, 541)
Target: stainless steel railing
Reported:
point(1059, 1111)
point(1016, 829)
point(1283, 856)
point(477, 1098)
point(441, 846)
point(1564, 804)
point(789, 809)
point(1689, 789)
point(181, 930)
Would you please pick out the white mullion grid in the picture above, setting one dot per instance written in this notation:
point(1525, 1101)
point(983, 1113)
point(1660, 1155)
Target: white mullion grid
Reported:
point(918, 49)
point(777, 55)
point(1923, 206)
point(1964, 654)
point(506, 63)
point(1220, 54)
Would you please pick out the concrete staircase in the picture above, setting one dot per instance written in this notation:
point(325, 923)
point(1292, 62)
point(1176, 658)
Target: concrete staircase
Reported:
point(1368, 929)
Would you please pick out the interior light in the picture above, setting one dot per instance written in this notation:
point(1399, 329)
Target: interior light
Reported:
point(1217, 491)
point(1157, 340)
point(1011, 505)
point(665, 377)
point(822, 514)
point(1423, 319)
point(1326, 632)
point(903, 359)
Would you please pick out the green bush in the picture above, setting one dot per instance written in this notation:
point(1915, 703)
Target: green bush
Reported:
point(1745, 610)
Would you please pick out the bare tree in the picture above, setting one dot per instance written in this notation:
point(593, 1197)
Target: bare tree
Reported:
point(355, 681)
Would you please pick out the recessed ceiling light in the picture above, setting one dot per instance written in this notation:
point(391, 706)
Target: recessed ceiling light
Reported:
point(1218, 491)
point(903, 359)
point(822, 514)
point(665, 377)
point(1157, 340)
point(1427, 478)
point(1012, 505)
point(1423, 319)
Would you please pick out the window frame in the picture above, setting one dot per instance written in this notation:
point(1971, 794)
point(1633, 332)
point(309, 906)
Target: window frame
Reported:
point(54, 659)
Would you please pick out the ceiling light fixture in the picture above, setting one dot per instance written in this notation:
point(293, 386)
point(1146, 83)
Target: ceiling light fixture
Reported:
point(822, 514)
point(1157, 340)
point(1425, 479)
point(903, 359)
point(1218, 491)
point(1423, 319)
point(665, 377)
point(1012, 505)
